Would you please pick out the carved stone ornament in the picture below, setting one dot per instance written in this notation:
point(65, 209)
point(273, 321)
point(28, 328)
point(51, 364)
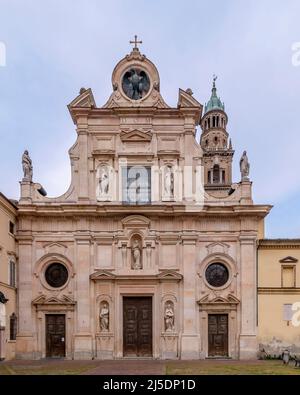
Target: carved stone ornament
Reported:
point(135, 83)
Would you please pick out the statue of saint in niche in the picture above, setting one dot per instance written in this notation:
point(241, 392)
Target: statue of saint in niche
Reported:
point(169, 182)
point(169, 318)
point(136, 256)
point(103, 182)
point(104, 317)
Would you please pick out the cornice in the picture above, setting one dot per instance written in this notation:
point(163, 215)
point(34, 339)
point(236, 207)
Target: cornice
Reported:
point(279, 244)
point(163, 276)
point(278, 291)
point(91, 112)
point(24, 239)
point(81, 209)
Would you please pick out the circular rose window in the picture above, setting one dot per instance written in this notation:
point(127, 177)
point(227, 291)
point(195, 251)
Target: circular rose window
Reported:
point(56, 275)
point(217, 275)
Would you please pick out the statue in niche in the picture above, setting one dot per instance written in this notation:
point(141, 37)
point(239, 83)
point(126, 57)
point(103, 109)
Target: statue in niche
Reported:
point(136, 255)
point(103, 182)
point(27, 166)
point(104, 317)
point(169, 317)
point(169, 182)
point(244, 167)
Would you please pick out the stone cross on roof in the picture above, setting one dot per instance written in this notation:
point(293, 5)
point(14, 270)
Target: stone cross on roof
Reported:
point(135, 42)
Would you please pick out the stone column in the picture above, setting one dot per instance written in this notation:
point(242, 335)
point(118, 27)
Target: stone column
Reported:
point(248, 286)
point(83, 170)
point(83, 336)
point(25, 339)
point(190, 336)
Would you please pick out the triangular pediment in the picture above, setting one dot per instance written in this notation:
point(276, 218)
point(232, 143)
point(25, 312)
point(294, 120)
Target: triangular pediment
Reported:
point(55, 245)
point(135, 136)
point(288, 259)
point(85, 99)
point(186, 99)
point(135, 220)
point(212, 245)
point(169, 275)
point(53, 300)
point(217, 247)
point(229, 299)
point(102, 275)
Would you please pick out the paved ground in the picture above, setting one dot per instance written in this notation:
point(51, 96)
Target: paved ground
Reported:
point(146, 367)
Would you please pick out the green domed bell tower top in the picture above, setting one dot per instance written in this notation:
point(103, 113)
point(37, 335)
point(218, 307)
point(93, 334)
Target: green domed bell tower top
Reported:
point(214, 102)
point(217, 147)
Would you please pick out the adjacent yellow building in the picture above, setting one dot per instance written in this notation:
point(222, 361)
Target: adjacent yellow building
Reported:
point(278, 290)
point(8, 278)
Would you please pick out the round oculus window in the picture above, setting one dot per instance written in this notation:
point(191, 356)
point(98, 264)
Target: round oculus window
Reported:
point(135, 83)
point(56, 275)
point(217, 275)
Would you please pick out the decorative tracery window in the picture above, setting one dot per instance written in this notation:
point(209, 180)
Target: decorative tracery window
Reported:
point(217, 274)
point(56, 275)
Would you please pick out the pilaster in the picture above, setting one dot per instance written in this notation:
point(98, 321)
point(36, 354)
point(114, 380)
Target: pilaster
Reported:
point(190, 337)
point(25, 337)
point(83, 337)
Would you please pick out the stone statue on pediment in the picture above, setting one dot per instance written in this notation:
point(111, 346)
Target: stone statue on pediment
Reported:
point(244, 167)
point(27, 166)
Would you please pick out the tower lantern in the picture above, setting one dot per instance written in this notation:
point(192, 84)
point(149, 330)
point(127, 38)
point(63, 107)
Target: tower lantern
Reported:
point(216, 145)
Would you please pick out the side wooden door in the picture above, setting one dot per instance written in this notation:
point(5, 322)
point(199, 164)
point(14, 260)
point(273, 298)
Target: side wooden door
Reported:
point(218, 335)
point(55, 335)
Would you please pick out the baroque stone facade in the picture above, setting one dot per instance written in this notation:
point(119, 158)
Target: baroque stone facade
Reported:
point(152, 250)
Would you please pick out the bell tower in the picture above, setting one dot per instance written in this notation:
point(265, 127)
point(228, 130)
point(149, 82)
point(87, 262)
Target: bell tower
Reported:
point(216, 145)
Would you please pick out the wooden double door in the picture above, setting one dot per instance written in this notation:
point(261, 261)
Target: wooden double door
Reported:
point(217, 335)
point(137, 326)
point(55, 335)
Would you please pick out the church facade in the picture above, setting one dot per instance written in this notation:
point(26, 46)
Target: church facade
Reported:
point(152, 251)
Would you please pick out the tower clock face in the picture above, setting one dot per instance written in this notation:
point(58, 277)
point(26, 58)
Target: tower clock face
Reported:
point(135, 83)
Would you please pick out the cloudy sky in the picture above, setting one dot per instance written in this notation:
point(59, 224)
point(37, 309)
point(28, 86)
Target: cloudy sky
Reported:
point(55, 47)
